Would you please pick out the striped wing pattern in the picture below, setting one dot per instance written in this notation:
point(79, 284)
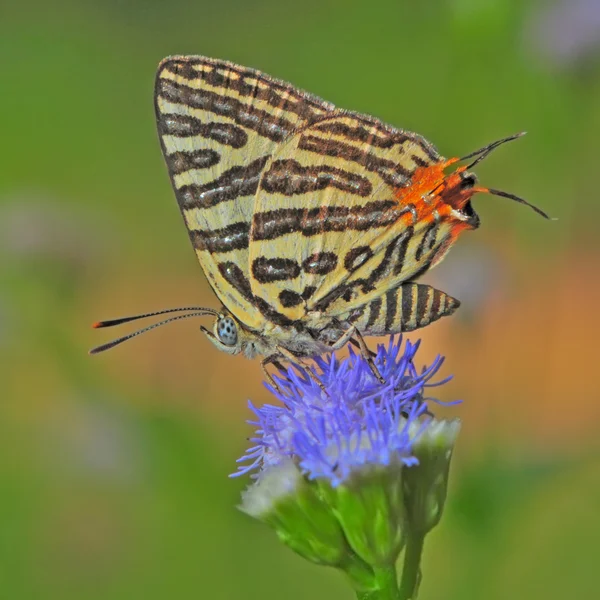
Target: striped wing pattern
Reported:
point(292, 205)
point(327, 224)
point(219, 124)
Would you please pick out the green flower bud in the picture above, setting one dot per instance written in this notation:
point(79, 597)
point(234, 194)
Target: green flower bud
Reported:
point(369, 506)
point(425, 484)
point(282, 498)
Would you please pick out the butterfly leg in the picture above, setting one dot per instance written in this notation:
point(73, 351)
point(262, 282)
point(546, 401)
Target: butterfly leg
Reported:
point(357, 345)
point(367, 355)
point(353, 335)
point(345, 338)
point(271, 360)
point(296, 360)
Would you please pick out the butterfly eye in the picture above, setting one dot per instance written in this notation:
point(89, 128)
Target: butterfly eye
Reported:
point(468, 180)
point(227, 331)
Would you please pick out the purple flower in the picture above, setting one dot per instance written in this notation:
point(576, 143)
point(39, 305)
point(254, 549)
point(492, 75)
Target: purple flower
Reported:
point(356, 422)
point(566, 32)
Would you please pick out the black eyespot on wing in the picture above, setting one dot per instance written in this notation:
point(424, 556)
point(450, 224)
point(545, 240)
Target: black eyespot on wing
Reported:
point(357, 257)
point(320, 263)
point(268, 270)
point(288, 298)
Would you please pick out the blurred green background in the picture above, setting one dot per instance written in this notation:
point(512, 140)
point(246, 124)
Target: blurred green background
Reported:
point(113, 469)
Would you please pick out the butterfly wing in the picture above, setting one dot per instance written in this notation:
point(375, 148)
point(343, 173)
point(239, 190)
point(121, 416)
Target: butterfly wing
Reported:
point(219, 124)
point(329, 232)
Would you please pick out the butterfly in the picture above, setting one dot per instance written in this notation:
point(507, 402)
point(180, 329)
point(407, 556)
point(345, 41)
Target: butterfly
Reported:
point(311, 223)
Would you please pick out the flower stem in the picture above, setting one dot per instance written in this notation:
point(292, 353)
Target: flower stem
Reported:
point(411, 570)
point(386, 585)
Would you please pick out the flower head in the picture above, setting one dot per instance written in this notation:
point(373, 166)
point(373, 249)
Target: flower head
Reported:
point(349, 470)
point(352, 421)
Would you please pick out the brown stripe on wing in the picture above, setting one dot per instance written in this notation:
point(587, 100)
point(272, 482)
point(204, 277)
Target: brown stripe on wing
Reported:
point(374, 134)
point(369, 131)
point(227, 134)
point(320, 263)
point(289, 177)
point(268, 270)
point(236, 278)
point(225, 239)
point(392, 252)
point(427, 240)
point(181, 125)
point(289, 298)
point(233, 183)
point(402, 248)
point(419, 161)
point(247, 82)
point(273, 127)
point(390, 171)
point(219, 124)
point(357, 257)
point(269, 225)
point(180, 162)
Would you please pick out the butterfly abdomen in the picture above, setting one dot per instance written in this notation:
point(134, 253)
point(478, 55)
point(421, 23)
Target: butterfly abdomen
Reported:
point(405, 308)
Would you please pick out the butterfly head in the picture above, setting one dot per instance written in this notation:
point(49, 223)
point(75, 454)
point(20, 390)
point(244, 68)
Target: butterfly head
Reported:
point(457, 188)
point(435, 193)
point(456, 191)
point(231, 337)
point(227, 335)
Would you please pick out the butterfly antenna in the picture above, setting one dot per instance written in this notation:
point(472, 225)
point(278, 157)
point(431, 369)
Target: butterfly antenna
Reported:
point(539, 211)
point(120, 340)
point(486, 150)
point(120, 321)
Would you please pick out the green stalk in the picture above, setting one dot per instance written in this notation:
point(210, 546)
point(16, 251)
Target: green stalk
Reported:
point(386, 585)
point(411, 570)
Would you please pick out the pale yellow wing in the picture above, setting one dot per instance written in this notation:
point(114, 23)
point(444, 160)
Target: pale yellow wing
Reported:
point(329, 231)
point(219, 123)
